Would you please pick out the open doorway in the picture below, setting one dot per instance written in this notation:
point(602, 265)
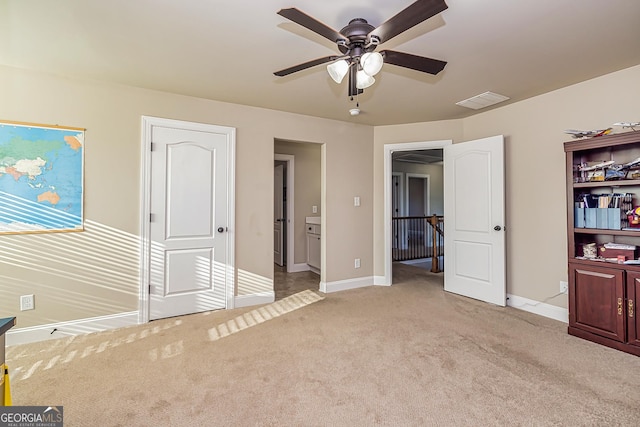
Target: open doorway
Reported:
point(418, 187)
point(416, 241)
point(297, 198)
point(414, 205)
point(474, 200)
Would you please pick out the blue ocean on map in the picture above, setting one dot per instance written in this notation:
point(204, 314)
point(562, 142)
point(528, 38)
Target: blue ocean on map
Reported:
point(41, 178)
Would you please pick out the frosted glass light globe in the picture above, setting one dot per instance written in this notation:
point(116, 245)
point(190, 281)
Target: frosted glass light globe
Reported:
point(363, 80)
point(337, 70)
point(371, 63)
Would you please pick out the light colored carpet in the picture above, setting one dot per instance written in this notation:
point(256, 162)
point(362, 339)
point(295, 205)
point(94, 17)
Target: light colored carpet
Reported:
point(405, 355)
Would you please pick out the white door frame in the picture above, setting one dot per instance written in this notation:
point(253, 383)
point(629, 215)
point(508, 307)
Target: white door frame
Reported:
point(145, 207)
point(389, 149)
point(290, 160)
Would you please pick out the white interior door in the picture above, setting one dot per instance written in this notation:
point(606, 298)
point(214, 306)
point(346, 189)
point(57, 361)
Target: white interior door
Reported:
point(278, 215)
point(188, 230)
point(474, 215)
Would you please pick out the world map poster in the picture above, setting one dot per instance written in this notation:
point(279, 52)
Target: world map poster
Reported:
point(41, 178)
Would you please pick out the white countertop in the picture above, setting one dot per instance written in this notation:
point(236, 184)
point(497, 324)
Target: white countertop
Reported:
point(313, 219)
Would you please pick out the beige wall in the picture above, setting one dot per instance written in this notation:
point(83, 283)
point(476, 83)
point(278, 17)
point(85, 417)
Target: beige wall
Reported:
point(308, 188)
point(535, 171)
point(94, 273)
point(66, 271)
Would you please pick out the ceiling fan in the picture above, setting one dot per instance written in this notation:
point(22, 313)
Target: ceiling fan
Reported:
point(358, 40)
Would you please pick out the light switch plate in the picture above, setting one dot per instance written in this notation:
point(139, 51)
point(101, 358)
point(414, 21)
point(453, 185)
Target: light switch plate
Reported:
point(27, 302)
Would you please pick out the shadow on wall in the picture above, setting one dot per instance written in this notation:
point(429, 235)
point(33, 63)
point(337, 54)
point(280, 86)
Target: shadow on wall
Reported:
point(94, 272)
point(251, 283)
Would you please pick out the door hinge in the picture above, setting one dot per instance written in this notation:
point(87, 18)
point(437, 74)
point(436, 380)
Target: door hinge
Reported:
point(149, 289)
point(152, 146)
point(150, 217)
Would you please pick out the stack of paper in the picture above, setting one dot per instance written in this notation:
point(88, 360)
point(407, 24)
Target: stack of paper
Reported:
point(620, 246)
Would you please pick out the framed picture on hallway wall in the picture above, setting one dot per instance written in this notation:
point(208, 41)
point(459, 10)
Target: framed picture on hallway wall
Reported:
point(41, 178)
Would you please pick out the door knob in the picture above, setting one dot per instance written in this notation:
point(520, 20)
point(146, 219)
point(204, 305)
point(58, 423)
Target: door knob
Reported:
point(220, 229)
point(497, 228)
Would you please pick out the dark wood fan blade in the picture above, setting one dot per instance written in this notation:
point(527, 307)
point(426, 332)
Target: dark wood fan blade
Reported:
point(418, 63)
point(305, 65)
point(313, 24)
point(414, 14)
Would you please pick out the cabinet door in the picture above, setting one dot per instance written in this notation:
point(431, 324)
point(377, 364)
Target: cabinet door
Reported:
point(633, 324)
point(313, 250)
point(596, 302)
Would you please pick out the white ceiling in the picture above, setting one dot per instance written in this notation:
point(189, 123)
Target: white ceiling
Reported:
point(227, 50)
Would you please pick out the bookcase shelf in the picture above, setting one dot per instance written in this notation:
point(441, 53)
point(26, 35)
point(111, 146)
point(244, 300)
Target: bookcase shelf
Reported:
point(608, 184)
point(605, 231)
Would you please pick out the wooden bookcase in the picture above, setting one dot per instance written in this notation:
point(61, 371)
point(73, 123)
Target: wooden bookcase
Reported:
point(602, 294)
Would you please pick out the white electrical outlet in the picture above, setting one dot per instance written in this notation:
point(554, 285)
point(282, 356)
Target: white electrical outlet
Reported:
point(564, 287)
point(27, 302)
point(356, 263)
point(314, 209)
point(356, 201)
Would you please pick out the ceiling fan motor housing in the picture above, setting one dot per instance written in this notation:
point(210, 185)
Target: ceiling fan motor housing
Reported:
point(357, 32)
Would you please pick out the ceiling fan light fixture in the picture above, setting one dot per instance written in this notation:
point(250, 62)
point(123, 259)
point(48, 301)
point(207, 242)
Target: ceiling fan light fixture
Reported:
point(338, 69)
point(358, 40)
point(363, 80)
point(371, 63)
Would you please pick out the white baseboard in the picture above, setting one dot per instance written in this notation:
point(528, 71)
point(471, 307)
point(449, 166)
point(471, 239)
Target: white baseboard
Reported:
point(104, 323)
point(343, 285)
point(297, 268)
point(71, 328)
point(539, 308)
point(254, 299)
point(380, 281)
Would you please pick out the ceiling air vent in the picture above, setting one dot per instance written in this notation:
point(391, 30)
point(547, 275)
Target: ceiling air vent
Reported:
point(483, 100)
